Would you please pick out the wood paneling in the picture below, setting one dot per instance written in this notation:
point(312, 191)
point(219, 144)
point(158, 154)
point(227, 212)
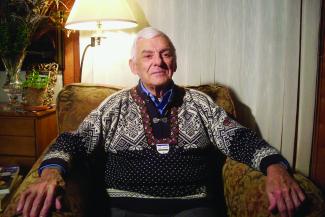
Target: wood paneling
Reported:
point(71, 72)
point(318, 153)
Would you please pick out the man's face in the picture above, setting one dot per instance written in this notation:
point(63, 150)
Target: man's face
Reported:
point(154, 62)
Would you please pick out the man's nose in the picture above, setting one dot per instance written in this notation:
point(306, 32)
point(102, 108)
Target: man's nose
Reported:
point(158, 60)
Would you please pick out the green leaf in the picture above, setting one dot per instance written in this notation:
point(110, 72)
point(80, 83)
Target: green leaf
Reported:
point(35, 80)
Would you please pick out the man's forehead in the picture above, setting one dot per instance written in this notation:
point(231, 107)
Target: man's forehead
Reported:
point(158, 42)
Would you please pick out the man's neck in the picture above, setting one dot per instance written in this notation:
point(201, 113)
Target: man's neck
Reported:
point(158, 91)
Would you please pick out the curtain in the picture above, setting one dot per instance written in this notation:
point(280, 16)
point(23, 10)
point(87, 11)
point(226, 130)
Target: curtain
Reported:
point(251, 46)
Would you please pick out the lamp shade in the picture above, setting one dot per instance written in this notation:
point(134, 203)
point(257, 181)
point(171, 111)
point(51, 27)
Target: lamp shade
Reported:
point(110, 14)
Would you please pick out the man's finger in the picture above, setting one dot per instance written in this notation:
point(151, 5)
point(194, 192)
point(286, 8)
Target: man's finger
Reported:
point(22, 201)
point(282, 208)
point(28, 203)
point(272, 202)
point(288, 202)
point(58, 202)
point(37, 204)
point(48, 201)
point(295, 198)
point(301, 195)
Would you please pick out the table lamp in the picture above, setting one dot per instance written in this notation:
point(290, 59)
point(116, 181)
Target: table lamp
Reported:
point(99, 15)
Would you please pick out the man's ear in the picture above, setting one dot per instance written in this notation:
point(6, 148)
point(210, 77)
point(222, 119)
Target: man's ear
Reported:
point(133, 66)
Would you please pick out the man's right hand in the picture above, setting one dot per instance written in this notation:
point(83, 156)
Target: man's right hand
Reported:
point(41, 196)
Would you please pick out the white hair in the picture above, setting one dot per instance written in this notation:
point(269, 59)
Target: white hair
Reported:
point(148, 33)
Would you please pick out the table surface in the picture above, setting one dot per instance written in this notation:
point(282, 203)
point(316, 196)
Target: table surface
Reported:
point(6, 111)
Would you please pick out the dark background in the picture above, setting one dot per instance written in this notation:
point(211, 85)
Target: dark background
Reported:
point(45, 49)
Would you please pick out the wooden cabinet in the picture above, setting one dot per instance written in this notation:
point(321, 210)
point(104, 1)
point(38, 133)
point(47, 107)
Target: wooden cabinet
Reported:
point(24, 136)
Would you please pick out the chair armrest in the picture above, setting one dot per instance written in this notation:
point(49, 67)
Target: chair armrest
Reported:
point(245, 196)
point(244, 190)
point(81, 188)
point(30, 179)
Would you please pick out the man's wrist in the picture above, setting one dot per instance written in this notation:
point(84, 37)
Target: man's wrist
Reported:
point(53, 175)
point(50, 170)
point(284, 165)
point(49, 166)
point(276, 167)
point(274, 159)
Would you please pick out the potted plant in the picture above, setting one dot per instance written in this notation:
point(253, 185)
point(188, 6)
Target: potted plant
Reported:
point(20, 22)
point(35, 87)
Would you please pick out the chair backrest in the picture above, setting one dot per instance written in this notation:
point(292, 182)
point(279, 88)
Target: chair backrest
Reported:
point(75, 101)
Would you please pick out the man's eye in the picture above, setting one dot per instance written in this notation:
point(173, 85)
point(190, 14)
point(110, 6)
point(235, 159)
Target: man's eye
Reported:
point(167, 54)
point(147, 56)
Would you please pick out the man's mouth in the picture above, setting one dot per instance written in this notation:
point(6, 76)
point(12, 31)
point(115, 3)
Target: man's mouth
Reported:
point(158, 72)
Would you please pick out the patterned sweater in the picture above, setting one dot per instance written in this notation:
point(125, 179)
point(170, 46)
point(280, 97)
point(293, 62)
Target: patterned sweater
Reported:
point(161, 160)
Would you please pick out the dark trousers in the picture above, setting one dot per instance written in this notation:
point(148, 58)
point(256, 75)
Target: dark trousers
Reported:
point(195, 212)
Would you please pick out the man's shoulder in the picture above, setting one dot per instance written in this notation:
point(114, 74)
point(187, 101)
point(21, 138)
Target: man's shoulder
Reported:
point(196, 95)
point(115, 99)
point(119, 95)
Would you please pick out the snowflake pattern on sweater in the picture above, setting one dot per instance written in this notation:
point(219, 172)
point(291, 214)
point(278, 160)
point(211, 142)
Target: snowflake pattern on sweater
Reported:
point(134, 166)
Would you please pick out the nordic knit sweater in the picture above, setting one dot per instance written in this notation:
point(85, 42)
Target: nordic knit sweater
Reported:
point(161, 160)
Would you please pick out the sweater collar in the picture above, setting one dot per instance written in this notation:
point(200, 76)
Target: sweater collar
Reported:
point(162, 103)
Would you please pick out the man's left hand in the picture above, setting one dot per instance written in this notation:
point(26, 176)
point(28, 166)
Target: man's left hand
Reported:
point(283, 192)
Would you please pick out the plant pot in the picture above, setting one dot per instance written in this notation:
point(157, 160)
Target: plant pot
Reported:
point(34, 96)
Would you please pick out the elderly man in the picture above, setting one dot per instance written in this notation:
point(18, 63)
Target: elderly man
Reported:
point(159, 141)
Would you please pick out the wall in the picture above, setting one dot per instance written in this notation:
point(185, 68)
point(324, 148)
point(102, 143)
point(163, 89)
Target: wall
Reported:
point(308, 69)
point(265, 51)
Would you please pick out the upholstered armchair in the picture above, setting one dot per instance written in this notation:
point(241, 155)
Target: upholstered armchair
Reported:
point(242, 186)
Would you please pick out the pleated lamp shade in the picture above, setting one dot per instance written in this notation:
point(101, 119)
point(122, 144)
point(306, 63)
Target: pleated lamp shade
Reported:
point(110, 14)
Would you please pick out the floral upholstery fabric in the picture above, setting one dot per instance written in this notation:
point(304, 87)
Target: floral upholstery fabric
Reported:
point(76, 101)
point(244, 188)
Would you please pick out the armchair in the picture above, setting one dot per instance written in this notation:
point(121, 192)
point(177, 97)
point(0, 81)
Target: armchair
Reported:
point(242, 186)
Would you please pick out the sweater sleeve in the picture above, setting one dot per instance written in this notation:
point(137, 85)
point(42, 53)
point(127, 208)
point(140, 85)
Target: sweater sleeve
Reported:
point(92, 132)
point(79, 143)
point(235, 141)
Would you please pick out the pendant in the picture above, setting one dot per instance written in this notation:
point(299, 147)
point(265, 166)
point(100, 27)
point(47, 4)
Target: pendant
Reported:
point(162, 148)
